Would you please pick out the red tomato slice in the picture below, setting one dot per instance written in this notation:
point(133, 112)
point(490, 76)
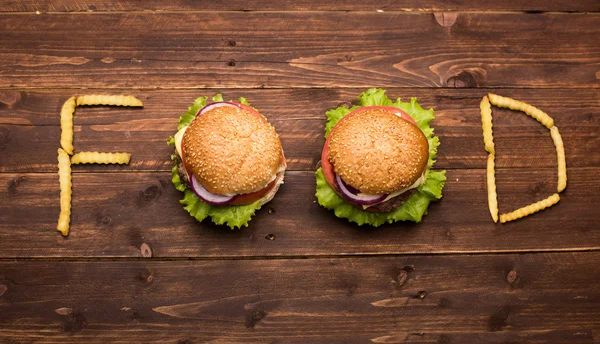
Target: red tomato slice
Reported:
point(187, 169)
point(327, 167)
point(250, 109)
point(253, 196)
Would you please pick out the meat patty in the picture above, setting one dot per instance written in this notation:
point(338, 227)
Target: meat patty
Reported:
point(391, 204)
point(181, 169)
point(387, 206)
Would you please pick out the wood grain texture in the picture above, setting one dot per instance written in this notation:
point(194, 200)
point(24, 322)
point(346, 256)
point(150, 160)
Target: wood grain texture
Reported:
point(293, 49)
point(29, 129)
point(115, 214)
point(533, 298)
point(300, 5)
point(137, 268)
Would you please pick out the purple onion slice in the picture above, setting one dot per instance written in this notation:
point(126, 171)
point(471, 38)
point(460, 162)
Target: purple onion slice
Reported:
point(214, 106)
point(354, 197)
point(207, 196)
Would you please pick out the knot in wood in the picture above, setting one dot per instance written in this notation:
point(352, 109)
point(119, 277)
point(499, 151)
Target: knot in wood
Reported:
point(446, 19)
point(254, 317)
point(463, 79)
point(14, 184)
point(10, 98)
point(512, 276)
point(63, 311)
point(146, 250)
point(421, 295)
point(270, 237)
point(402, 276)
point(104, 219)
point(149, 195)
point(468, 78)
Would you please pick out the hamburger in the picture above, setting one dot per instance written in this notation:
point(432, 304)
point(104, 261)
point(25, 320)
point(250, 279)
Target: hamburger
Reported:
point(228, 161)
point(376, 161)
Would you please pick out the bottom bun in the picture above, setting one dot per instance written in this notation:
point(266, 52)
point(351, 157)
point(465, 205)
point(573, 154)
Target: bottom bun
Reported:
point(268, 197)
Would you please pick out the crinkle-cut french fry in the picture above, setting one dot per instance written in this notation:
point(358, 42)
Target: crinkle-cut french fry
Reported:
point(491, 188)
point(66, 125)
point(110, 100)
point(64, 178)
point(540, 116)
point(532, 111)
point(530, 209)
point(486, 124)
point(100, 158)
point(560, 155)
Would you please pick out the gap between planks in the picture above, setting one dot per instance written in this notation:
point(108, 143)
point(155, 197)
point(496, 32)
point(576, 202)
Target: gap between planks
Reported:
point(300, 257)
point(406, 11)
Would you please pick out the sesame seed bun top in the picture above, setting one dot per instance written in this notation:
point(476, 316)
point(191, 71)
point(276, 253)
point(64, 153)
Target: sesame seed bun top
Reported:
point(232, 151)
point(377, 152)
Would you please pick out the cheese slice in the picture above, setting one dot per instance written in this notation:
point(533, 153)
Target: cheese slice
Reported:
point(178, 139)
point(416, 184)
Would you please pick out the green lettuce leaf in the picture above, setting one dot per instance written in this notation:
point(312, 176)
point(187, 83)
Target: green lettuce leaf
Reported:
point(244, 101)
point(171, 141)
point(334, 115)
point(416, 206)
point(176, 180)
point(187, 118)
point(234, 216)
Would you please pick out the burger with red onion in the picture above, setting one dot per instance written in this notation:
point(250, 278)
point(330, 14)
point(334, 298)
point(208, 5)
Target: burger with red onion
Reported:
point(376, 161)
point(228, 161)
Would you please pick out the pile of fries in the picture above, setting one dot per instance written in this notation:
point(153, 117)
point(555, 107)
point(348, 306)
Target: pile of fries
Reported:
point(66, 150)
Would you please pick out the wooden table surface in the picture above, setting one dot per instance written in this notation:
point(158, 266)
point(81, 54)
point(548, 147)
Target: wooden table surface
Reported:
point(137, 268)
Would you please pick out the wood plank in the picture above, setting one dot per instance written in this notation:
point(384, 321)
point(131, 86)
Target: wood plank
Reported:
point(123, 214)
point(29, 131)
point(533, 298)
point(300, 5)
point(296, 49)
